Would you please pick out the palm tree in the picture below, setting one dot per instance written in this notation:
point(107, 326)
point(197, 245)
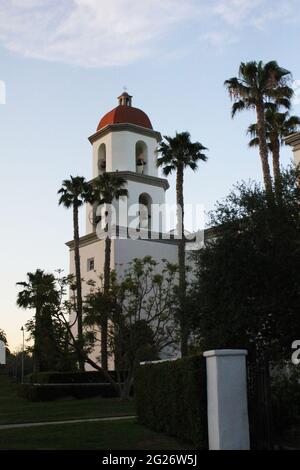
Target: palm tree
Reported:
point(39, 293)
point(105, 189)
point(74, 193)
point(257, 85)
point(176, 154)
point(278, 126)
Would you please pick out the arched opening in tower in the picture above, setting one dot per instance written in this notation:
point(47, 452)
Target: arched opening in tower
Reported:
point(145, 203)
point(141, 157)
point(102, 159)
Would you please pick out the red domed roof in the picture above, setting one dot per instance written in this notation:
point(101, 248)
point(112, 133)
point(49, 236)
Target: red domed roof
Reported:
point(125, 114)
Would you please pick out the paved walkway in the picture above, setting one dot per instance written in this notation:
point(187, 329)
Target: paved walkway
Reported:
point(70, 421)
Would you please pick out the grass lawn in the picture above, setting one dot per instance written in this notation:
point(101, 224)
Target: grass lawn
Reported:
point(122, 435)
point(14, 409)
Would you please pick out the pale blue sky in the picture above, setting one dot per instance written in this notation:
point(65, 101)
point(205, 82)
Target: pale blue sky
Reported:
point(65, 62)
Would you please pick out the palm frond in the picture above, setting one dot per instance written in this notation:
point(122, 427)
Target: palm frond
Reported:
point(179, 152)
point(252, 130)
point(106, 188)
point(254, 142)
point(238, 106)
point(73, 192)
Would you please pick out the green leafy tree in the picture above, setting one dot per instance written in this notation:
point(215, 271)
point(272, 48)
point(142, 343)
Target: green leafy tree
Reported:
point(57, 354)
point(257, 85)
point(278, 126)
point(176, 154)
point(106, 189)
point(39, 293)
point(246, 293)
point(140, 309)
point(66, 340)
point(14, 361)
point(74, 193)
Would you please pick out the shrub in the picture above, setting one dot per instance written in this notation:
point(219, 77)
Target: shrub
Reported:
point(285, 392)
point(171, 398)
point(67, 377)
point(50, 392)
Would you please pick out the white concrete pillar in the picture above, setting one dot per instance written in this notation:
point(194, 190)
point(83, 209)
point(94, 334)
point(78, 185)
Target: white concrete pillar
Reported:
point(227, 407)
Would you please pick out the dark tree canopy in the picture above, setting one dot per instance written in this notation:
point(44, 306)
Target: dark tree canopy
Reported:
point(40, 293)
point(247, 287)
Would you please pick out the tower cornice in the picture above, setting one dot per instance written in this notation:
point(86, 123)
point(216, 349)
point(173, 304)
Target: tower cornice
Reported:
point(157, 237)
point(138, 178)
point(125, 127)
point(293, 140)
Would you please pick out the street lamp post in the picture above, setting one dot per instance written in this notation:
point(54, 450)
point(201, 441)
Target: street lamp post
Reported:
point(23, 352)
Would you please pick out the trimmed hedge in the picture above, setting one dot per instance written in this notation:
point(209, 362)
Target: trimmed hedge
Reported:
point(50, 392)
point(47, 386)
point(285, 400)
point(171, 398)
point(68, 377)
point(44, 386)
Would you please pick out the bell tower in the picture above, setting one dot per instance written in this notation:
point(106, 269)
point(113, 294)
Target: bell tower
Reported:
point(125, 99)
point(125, 142)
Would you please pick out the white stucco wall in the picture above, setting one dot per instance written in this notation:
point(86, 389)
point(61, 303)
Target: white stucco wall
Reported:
point(135, 189)
point(296, 149)
point(297, 155)
point(123, 251)
point(126, 250)
point(94, 250)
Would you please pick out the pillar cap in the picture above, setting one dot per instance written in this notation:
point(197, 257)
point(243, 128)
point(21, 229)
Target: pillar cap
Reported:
point(225, 352)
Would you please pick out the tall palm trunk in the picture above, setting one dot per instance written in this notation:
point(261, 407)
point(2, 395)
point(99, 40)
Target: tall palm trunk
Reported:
point(181, 261)
point(78, 283)
point(263, 148)
point(37, 342)
point(104, 322)
point(50, 349)
point(275, 148)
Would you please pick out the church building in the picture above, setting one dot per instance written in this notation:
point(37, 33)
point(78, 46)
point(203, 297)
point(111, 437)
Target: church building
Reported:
point(125, 143)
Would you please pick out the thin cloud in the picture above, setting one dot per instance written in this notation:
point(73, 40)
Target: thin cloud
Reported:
point(235, 12)
point(257, 13)
point(219, 39)
point(99, 33)
point(91, 33)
